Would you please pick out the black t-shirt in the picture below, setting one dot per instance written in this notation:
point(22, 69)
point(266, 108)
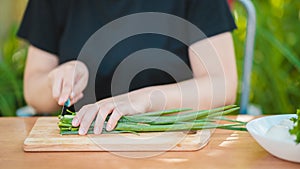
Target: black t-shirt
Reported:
point(62, 27)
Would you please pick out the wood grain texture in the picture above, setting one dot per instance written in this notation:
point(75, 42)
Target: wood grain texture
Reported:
point(226, 150)
point(45, 136)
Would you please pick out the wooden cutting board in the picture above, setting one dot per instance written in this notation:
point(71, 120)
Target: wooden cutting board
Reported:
point(44, 136)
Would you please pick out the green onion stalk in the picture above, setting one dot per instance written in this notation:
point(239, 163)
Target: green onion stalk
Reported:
point(161, 121)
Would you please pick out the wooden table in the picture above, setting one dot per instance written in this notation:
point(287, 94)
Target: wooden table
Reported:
point(226, 149)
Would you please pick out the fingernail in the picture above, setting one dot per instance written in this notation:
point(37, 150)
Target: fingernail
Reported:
point(75, 121)
point(81, 131)
point(108, 127)
point(72, 95)
point(97, 131)
point(61, 101)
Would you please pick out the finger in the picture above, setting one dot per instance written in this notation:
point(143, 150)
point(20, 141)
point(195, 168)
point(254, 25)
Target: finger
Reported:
point(80, 85)
point(113, 120)
point(73, 95)
point(56, 87)
point(75, 99)
point(81, 78)
point(66, 90)
point(79, 115)
point(87, 119)
point(105, 110)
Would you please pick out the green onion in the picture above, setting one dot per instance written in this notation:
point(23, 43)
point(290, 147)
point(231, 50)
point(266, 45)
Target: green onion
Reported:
point(164, 112)
point(181, 117)
point(167, 120)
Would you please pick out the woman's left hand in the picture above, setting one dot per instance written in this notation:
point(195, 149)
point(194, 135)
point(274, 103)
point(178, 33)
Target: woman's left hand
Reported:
point(127, 104)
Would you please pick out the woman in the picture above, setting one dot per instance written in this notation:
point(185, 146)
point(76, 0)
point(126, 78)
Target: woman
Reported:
point(57, 30)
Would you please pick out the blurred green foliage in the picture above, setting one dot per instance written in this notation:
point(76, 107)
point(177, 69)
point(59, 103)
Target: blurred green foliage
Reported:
point(276, 68)
point(12, 57)
point(12, 60)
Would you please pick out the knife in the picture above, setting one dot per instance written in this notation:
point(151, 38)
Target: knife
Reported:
point(65, 107)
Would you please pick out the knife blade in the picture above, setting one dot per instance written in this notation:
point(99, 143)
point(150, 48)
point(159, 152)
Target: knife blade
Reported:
point(65, 107)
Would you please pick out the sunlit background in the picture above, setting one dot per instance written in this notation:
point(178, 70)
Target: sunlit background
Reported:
point(275, 79)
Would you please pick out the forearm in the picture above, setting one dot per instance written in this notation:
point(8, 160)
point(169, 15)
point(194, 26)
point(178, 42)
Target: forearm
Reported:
point(38, 94)
point(37, 91)
point(200, 93)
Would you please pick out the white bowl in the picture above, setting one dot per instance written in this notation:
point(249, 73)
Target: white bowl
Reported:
point(281, 148)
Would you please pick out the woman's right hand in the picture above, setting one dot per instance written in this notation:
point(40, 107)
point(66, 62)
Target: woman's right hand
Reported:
point(68, 81)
